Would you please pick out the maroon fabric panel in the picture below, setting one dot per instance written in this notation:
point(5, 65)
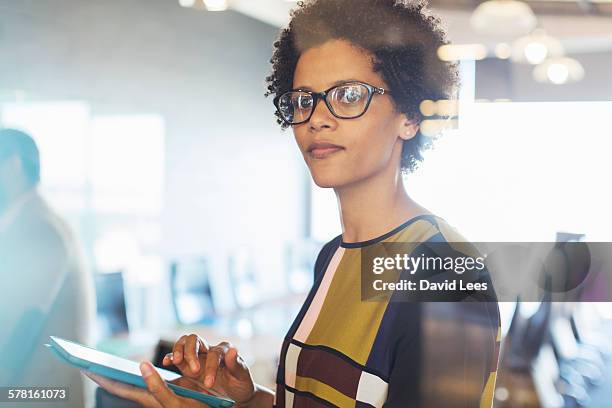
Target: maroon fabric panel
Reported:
point(330, 369)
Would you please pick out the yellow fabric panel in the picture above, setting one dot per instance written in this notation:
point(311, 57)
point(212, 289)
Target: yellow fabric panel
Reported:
point(450, 234)
point(457, 241)
point(345, 323)
point(324, 391)
point(486, 400)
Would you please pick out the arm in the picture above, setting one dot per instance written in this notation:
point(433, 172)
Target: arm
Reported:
point(451, 361)
point(445, 352)
point(33, 270)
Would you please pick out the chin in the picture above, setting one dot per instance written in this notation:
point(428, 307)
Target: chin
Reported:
point(324, 183)
point(329, 179)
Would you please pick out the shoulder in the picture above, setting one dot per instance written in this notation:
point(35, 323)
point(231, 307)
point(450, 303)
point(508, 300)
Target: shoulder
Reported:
point(444, 230)
point(41, 229)
point(450, 254)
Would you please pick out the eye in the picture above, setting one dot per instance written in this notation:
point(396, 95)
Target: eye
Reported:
point(303, 101)
point(350, 94)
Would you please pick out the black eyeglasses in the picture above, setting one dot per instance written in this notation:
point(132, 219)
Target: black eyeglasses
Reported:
point(345, 101)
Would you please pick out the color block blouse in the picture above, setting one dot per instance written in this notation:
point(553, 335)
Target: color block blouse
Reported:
point(341, 351)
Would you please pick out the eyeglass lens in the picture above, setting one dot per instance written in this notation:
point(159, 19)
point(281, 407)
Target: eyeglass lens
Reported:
point(345, 101)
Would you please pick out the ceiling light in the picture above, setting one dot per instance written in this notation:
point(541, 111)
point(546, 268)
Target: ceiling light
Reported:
point(215, 5)
point(434, 127)
point(458, 52)
point(187, 3)
point(535, 48)
point(503, 51)
point(503, 17)
point(559, 71)
point(447, 107)
point(428, 108)
point(535, 52)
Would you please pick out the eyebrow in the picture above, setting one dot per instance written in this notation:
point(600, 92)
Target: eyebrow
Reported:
point(340, 82)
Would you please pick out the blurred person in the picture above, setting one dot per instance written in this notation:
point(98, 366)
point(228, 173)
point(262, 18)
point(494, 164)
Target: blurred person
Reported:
point(348, 77)
point(45, 288)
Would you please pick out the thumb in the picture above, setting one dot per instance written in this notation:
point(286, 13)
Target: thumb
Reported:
point(157, 386)
point(235, 364)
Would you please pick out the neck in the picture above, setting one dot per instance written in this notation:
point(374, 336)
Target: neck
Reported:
point(375, 206)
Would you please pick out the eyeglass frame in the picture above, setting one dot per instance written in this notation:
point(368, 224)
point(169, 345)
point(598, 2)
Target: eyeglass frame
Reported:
point(316, 96)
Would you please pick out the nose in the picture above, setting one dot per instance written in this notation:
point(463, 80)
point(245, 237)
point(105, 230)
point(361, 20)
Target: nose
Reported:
point(322, 118)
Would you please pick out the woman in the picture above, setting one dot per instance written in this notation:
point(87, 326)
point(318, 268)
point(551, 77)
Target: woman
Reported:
point(348, 78)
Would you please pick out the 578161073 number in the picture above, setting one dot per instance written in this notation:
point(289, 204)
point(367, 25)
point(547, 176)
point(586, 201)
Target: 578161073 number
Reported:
point(33, 394)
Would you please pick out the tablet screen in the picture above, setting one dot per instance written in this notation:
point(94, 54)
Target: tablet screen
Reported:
point(108, 360)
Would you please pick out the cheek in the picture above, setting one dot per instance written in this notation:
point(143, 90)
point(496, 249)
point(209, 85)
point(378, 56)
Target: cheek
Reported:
point(369, 148)
point(373, 145)
point(299, 134)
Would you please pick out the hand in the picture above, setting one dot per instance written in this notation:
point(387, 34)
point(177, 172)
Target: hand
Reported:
point(219, 368)
point(157, 394)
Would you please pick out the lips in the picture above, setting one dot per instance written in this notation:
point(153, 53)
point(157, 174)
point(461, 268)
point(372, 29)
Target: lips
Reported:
point(321, 150)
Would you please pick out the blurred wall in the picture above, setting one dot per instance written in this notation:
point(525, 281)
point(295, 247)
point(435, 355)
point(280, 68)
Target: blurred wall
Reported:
point(233, 179)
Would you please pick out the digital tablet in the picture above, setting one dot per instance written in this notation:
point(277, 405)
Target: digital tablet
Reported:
point(123, 370)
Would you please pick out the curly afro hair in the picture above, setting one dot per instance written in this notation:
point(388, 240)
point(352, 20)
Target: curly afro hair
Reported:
point(401, 36)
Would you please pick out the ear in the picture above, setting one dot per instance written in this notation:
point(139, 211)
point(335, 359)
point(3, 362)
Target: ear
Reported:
point(408, 128)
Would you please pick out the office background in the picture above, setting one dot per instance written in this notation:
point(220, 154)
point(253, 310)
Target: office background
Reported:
point(195, 210)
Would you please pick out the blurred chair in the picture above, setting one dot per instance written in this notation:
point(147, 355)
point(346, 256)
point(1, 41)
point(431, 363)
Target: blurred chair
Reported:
point(529, 371)
point(544, 346)
point(571, 354)
point(192, 297)
point(545, 375)
point(525, 337)
point(111, 317)
point(587, 327)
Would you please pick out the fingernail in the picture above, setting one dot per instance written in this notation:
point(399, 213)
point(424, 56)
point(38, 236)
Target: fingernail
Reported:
point(208, 381)
point(170, 356)
point(194, 366)
point(146, 369)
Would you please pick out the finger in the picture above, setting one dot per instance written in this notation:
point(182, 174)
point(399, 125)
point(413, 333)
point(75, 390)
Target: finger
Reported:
point(214, 358)
point(158, 387)
point(125, 391)
point(191, 352)
point(177, 350)
point(183, 366)
point(235, 364)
